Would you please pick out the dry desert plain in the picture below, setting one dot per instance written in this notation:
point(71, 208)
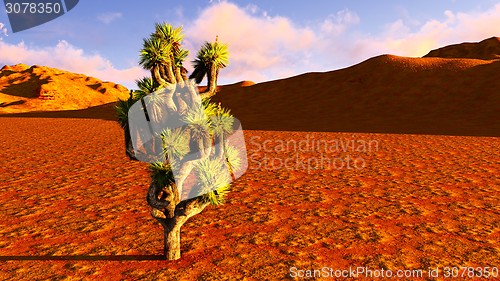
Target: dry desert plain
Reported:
point(421, 193)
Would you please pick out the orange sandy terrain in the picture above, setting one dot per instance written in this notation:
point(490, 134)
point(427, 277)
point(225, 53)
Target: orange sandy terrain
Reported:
point(40, 88)
point(68, 190)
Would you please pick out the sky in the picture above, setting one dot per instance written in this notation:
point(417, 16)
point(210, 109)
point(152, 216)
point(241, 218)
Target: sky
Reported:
point(267, 40)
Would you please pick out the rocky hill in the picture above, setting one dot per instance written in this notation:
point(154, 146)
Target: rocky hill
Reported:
point(39, 88)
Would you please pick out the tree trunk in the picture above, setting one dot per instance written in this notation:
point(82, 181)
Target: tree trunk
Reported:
point(178, 74)
point(182, 105)
point(163, 73)
point(184, 73)
point(172, 235)
point(192, 90)
point(155, 72)
point(172, 226)
point(170, 73)
point(219, 146)
point(212, 79)
point(172, 213)
point(129, 148)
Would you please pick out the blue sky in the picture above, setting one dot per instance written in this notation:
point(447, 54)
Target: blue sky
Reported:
point(268, 39)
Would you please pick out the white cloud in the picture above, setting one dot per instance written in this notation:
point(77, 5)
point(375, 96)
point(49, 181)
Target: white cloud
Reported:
point(3, 30)
point(337, 23)
point(252, 8)
point(107, 18)
point(69, 58)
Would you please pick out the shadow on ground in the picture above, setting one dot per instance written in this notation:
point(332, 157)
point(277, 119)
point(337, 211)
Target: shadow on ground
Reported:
point(84, 258)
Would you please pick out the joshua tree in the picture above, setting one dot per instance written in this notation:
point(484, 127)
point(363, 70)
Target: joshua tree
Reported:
point(209, 60)
point(199, 150)
point(189, 151)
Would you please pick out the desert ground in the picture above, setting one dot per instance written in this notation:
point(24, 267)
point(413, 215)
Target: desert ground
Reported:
point(73, 206)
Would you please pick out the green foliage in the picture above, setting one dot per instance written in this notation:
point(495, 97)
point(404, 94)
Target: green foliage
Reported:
point(233, 158)
point(211, 53)
point(161, 174)
point(169, 34)
point(222, 122)
point(213, 179)
point(175, 143)
point(209, 107)
point(157, 104)
point(155, 52)
point(146, 86)
point(172, 36)
point(213, 175)
point(198, 123)
point(217, 197)
point(214, 53)
point(122, 108)
point(180, 56)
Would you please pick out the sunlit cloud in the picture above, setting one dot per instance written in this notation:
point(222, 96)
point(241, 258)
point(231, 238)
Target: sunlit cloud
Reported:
point(260, 46)
point(456, 27)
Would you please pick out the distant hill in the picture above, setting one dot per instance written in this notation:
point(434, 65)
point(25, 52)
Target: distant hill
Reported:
point(488, 49)
point(39, 88)
point(384, 94)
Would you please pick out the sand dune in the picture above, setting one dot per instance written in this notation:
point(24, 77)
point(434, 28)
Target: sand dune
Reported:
point(229, 86)
point(40, 88)
point(385, 94)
